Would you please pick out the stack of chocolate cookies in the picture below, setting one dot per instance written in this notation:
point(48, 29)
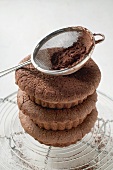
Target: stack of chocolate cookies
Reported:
point(57, 110)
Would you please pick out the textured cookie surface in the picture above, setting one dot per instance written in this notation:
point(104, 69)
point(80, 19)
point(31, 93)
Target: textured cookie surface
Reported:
point(56, 119)
point(58, 91)
point(58, 138)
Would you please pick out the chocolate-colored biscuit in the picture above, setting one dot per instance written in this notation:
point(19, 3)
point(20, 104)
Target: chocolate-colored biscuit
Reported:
point(56, 119)
point(59, 138)
point(58, 91)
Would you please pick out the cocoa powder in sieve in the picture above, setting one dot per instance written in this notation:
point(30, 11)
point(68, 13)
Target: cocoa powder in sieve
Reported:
point(68, 57)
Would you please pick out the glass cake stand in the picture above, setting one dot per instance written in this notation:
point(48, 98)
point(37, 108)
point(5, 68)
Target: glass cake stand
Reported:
point(19, 151)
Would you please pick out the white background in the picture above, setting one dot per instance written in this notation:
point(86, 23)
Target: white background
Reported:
point(24, 22)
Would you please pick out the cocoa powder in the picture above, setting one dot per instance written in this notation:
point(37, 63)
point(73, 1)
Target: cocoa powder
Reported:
point(68, 57)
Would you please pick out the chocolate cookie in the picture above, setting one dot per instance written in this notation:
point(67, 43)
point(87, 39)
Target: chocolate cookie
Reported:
point(56, 119)
point(58, 91)
point(58, 138)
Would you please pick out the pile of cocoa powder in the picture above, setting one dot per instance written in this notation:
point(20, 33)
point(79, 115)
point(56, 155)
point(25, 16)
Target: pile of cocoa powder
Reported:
point(68, 57)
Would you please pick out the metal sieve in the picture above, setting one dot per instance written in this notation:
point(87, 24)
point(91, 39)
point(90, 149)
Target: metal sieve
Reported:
point(62, 38)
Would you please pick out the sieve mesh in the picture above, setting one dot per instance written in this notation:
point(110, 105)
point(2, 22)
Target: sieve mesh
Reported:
point(62, 40)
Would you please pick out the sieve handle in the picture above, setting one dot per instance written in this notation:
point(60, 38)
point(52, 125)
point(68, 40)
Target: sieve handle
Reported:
point(9, 70)
point(99, 40)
